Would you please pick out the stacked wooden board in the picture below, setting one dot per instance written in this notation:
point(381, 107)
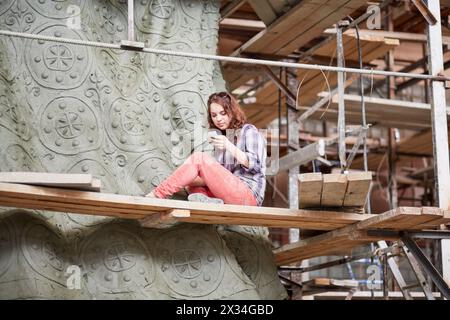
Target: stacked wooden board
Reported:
point(76, 181)
point(334, 242)
point(317, 190)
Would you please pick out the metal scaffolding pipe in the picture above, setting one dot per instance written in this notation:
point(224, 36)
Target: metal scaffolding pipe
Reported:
point(261, 62)
point(439, 127)
point(130, 20)
point(341, 101)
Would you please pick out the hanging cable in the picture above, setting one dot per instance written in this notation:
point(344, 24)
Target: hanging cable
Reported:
point(329, 94)
point(279, 109)
point(363, 107)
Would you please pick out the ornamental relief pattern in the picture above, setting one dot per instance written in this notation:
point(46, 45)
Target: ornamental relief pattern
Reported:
point(125, 117)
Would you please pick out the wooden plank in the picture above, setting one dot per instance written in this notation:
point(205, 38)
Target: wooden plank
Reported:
point(435, 223)
point(309, 219)
point(357, 188)
point(326, 282)
point(299, 25)
point(165, 219)
point(307, 14)
point(60, 180)
point(81, 209)
point(25, 196)
point(402, 36)
point(309, 189)
point(339, 9)
point(404, 218)
point(57, 199)
point(333, 191)
point(305, 224)
point(281, 27)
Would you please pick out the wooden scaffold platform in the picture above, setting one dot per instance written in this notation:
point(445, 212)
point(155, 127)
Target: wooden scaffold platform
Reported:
point(345, 230)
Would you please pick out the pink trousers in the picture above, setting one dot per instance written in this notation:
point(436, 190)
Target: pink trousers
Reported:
point(220, 183)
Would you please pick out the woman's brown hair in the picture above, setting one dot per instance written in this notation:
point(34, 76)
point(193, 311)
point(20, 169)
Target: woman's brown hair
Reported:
point(231, 107)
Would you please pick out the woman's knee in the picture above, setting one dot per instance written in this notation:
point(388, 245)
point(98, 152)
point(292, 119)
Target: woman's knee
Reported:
point(200, 157)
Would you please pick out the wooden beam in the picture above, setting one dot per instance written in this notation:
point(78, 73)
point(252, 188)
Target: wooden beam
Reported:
point(280, 84)
point(230, 8)
point(411, 82)
point(403, 218)
point(425, 12)
point(326, 244)
point(263, 10)
point(162, 220)
point(242, 24)
point(402, 36)
point(385, 112)
point(307, 20)
point(334, 283)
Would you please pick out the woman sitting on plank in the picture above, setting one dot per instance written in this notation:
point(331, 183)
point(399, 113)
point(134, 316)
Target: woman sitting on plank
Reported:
point(236, 173)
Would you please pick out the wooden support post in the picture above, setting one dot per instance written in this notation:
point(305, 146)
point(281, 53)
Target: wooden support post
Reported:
point(439, 125)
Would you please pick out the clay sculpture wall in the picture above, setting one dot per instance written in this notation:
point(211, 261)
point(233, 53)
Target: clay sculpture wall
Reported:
point(129, 119)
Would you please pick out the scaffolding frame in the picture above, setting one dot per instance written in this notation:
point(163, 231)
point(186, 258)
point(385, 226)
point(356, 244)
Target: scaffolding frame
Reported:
point(438, 100)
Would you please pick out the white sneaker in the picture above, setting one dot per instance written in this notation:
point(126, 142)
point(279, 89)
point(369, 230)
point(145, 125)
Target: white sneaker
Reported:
point(200, 197)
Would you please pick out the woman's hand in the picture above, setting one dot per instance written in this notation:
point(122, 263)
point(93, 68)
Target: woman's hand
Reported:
point(221, 142)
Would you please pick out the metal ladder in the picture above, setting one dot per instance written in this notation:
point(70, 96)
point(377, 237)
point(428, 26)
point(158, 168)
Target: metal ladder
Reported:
point(405, 288)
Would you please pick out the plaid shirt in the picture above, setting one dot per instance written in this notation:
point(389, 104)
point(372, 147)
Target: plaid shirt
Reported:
point(253, 144)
